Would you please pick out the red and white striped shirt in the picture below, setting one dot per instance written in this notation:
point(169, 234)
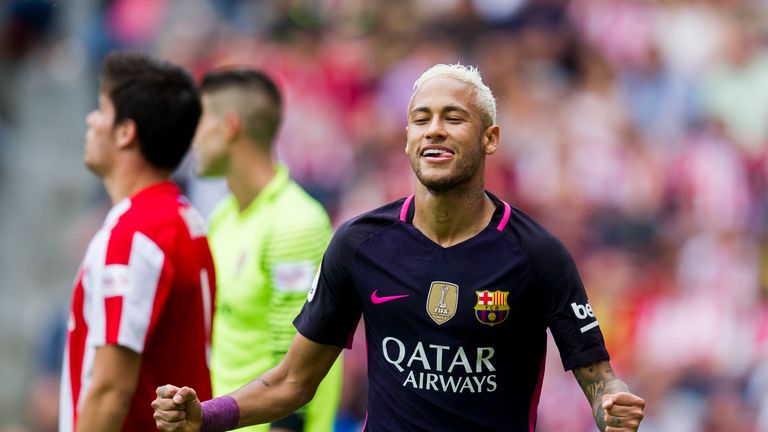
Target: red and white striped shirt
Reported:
point(147, 283)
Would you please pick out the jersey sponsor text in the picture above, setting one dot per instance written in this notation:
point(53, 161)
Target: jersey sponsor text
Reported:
point(443, 368)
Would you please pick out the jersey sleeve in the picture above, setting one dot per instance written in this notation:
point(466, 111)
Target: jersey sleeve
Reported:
point(569, 315)
point(134, 272)
point(293, 253)
point(332, 308)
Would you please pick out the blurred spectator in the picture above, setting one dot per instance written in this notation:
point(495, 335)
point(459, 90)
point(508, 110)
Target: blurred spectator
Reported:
point(660, 103)
point(689, 34)
point(735, 89)
point(24, 26)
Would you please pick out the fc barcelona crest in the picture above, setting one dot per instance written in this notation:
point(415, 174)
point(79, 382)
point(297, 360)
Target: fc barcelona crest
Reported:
point(442, 300)
point(491, 307)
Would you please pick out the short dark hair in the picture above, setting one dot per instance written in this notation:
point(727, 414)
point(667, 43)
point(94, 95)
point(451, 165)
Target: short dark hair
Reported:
point(160, 97)
point(265, 120)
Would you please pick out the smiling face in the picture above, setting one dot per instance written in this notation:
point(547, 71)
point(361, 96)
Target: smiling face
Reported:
point(446, 140)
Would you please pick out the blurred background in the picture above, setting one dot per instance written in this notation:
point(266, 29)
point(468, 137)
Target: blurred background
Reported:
point(635, 130)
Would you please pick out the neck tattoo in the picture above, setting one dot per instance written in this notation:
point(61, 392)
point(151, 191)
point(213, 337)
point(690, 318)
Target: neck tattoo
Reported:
point(440, 215)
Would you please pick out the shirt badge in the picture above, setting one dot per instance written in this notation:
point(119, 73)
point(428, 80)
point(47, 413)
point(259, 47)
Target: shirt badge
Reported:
point(491, 307)
point(442, 300)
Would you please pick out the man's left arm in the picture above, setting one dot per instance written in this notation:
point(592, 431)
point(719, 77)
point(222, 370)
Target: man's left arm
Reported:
point(614, 407)
point(113, 382)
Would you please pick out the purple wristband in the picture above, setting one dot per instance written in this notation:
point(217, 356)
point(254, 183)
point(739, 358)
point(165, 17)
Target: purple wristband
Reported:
point(220, 414)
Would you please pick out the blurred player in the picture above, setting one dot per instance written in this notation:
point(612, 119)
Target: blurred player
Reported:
point(457, 289)
point(267, 239)
point(143, 297)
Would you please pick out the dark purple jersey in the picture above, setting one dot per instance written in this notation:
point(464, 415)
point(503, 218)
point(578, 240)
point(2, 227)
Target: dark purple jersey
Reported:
point(456, 336)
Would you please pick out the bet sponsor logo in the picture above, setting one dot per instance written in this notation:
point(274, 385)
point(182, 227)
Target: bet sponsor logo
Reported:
point(584, 312)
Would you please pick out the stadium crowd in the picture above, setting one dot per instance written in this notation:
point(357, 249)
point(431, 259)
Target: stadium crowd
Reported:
point(635, 130)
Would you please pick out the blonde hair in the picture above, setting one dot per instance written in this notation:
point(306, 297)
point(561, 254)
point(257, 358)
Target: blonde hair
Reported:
point(467, 74)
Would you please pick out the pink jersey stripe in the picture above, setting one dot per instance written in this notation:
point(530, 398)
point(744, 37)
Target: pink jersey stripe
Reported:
point(404, 209)
point(505, 218)
point(537, 394)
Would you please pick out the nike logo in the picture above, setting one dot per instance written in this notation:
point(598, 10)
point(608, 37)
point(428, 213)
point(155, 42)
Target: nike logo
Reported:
point(378, 300)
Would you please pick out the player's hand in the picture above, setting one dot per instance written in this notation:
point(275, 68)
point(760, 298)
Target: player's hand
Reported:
point(623, 411)
point(177, 409)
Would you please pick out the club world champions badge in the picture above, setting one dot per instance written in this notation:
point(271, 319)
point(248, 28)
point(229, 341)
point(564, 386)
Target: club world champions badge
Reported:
point(442, 300)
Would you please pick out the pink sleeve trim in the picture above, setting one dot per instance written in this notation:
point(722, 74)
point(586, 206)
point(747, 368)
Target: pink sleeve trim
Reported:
point(404, 209)
point(505, 218)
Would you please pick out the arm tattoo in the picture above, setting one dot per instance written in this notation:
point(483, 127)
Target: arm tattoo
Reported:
point(599, 415)
point(263, 381)
point(596, 380)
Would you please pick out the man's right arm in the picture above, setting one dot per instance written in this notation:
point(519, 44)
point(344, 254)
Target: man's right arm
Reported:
point(272, 396)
